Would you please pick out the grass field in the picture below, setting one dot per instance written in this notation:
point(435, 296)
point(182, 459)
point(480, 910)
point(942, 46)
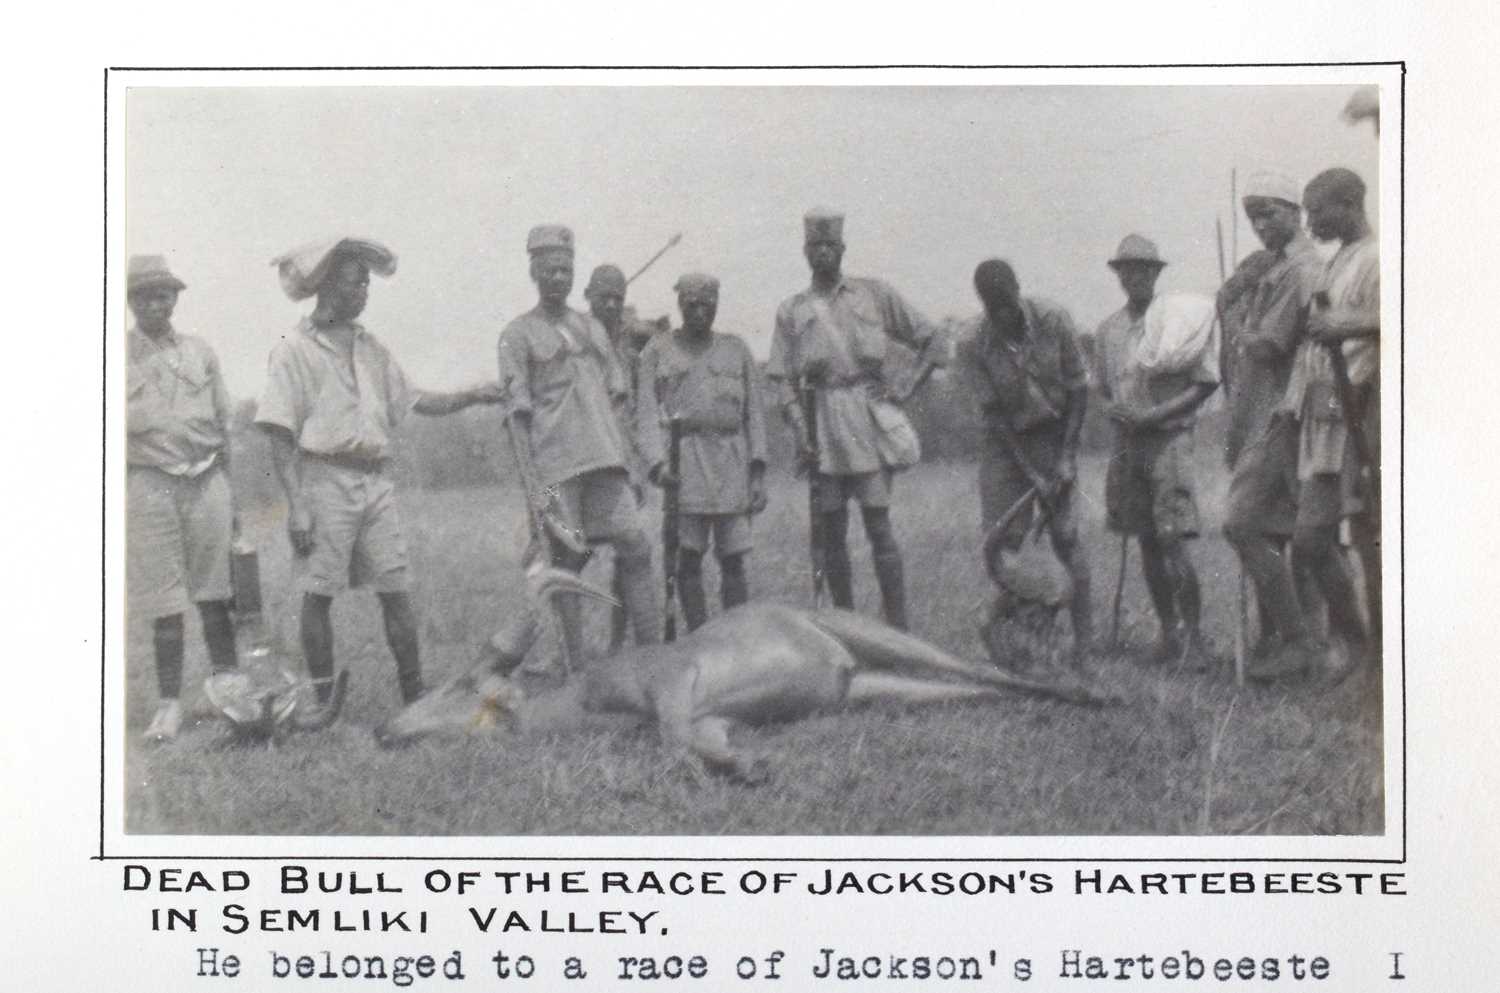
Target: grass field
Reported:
point(1188, 754)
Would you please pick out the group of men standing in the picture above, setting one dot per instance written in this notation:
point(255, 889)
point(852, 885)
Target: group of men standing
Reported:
point(593, 415)
point(1304, 441)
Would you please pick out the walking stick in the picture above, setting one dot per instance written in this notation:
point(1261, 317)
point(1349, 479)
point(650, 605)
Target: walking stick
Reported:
point(1242, 618)
point(1114, 623)
point(671, 534)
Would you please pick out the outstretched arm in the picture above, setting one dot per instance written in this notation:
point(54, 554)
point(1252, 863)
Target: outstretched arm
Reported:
point(433, 404)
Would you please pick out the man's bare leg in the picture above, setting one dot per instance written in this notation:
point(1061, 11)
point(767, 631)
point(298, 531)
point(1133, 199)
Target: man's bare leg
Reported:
point(1159, 583)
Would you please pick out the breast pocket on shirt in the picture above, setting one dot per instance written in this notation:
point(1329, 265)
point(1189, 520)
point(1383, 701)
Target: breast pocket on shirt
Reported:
point(550, 373)
point(869, 332)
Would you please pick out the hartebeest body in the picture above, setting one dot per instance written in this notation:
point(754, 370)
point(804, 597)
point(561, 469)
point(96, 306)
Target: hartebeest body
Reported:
point(757, 664)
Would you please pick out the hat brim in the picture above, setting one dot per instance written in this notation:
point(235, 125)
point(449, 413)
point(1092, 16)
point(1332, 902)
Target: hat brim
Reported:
point(1116, 263)
point(155, 282)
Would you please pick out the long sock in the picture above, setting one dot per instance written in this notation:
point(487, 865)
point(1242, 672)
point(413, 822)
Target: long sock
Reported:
point(734, 588)
point(690, 588)
point(317, 642)
point(218, 633)
point(1159, 585)
point(890, 571)
point(166, 639)
point(1185, 591)
point(401, 636)
point(836, 568)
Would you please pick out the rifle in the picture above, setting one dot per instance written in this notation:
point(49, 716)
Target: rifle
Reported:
point(671, 243)
point(671, 537)
point(816, 548)
point(1353, 422)
point(1040, 484)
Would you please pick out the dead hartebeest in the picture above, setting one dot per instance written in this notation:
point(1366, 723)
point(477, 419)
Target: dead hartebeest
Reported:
point(759, 663)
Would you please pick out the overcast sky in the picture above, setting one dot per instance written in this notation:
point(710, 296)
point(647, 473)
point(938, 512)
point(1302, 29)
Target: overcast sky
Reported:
point(932, 179)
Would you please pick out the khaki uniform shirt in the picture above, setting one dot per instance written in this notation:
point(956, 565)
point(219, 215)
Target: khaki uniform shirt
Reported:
point(837, 342)
point(1119, 379)
point(713, 393)
point(177, 409)
point(1026, 385)
point(1276, 315)
point(565, 374)
point(333, 401)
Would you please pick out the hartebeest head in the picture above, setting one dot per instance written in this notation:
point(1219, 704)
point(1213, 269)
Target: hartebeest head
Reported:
point(483, 696)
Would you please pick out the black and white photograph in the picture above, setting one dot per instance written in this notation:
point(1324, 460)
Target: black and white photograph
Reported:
point(809, 460)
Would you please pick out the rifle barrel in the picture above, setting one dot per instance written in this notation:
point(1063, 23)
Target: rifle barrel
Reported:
point(815, 548)
point(671, 534)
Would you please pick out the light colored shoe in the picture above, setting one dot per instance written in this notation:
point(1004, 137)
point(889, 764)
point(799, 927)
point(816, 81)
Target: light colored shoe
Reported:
point(166, 723)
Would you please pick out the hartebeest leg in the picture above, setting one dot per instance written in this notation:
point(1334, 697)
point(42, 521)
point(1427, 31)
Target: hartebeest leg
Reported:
point(885, 687)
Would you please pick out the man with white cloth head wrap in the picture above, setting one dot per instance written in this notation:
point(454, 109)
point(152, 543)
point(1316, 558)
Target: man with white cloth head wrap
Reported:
point(1153, 380)
point(1262, 506)
point(334, 396)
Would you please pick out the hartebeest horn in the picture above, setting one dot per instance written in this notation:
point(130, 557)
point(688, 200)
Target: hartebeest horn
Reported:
point(545, 582)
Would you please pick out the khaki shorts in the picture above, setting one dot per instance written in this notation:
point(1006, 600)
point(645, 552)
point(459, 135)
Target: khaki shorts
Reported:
point(356, 530)
point(600, 503)
point(1149, 488)
point(177, 534)
point(871, 489)
point(730, 533)
point(1263, 490)
point(1002, 483)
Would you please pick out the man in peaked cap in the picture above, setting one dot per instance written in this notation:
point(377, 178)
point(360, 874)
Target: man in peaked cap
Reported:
point(564, 391)
point(1149, 489)
point(179, 506)
point(706, 382)
point(829, 345)
point(1023, 367)
point(1262, 442)
point(333, 399)
point(605, 293)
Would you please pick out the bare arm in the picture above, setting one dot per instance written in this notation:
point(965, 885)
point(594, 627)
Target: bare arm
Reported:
point(289, 471)
point(1185, 402)
point(1335, 324)
point(432, 404)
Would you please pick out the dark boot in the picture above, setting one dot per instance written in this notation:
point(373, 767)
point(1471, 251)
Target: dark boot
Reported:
point(889, 570)
point(836, 569)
